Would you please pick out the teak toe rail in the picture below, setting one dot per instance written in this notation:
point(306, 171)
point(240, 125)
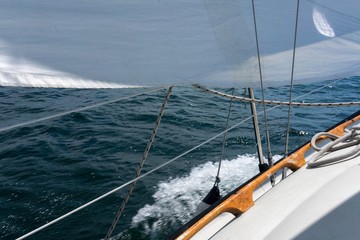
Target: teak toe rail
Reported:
point(242, 200)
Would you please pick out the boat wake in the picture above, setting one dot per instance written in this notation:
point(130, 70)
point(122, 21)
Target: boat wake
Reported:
point(176, 200)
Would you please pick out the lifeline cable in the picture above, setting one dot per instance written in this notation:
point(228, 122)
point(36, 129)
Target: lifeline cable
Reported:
point(130, 182)
point(295, 104)
point(77, 110)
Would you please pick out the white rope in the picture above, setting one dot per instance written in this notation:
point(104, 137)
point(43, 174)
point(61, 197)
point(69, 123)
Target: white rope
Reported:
point(270, 161)
point(77, 110)
point(317, 89)
point(348, 139)
point(129, 182)
point(150, 172)
point(244, 99)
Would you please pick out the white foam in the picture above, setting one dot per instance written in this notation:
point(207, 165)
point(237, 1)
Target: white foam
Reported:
point(177, 199)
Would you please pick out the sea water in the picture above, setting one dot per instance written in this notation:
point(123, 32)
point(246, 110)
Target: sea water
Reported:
point(54, 166)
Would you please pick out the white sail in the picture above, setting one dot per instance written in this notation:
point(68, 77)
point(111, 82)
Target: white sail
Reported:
point(95, 44)
point(328, 40)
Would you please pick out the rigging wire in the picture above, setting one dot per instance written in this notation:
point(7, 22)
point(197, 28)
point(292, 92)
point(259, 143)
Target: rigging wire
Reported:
point(317, 89)
point(245, 96)
point(291, 88)
point(130, 182)
point(126, 199)
point(77, 110)
point(263, 96)
point(217, 179)
point(154, 170)
point(292, 79)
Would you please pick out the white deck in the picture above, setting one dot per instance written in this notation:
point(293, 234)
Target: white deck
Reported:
point(319, 203)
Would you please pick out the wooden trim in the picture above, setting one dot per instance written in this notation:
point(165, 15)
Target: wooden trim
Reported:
point(242, 200)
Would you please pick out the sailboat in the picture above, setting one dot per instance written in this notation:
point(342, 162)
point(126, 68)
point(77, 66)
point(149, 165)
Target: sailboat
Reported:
point(208, 45)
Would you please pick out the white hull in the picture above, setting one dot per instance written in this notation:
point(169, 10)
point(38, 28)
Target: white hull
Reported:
point(311, 203)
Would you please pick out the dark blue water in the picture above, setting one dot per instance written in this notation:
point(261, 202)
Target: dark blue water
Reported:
point(54, 166)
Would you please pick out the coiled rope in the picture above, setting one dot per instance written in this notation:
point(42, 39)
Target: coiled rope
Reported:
point(244, 99)
point(348, 139)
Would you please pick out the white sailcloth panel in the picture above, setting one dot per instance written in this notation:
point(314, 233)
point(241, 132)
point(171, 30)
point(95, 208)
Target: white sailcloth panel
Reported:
point(96, 44)
point(328, 41)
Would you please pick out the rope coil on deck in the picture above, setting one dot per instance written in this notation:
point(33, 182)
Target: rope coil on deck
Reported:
point(348, 139)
